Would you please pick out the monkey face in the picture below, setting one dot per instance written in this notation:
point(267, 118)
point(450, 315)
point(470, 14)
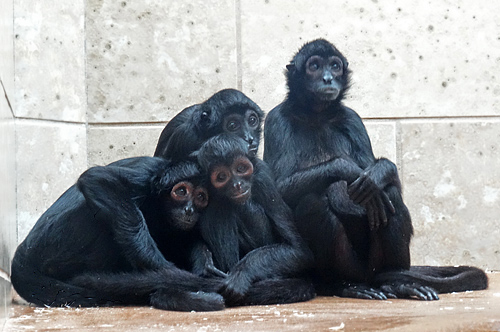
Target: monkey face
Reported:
point(234, 181)
point(245, 125)
point(186, 202)
point(323, 76)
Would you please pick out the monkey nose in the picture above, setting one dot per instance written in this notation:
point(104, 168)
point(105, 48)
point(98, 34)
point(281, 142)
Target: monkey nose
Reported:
point(189, 210)
point(237, 185)
point(249, 139)
point(327, 78)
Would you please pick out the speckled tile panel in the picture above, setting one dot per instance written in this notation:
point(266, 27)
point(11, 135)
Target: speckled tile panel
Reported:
point(50, 157)
point(7, 188)
point(451, 179)
point(409, 59)
point(147, 61)
point(110, 143)
point(383, 139)
point(49, 59)
point(7, 46)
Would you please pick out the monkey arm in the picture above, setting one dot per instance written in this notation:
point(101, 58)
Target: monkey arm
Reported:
point(112, 193)
point(317, 178)
point(272, 261)
point(368, 191)
point(384, 173)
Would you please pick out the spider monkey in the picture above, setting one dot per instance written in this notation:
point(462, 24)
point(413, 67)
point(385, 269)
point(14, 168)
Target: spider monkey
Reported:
point(347, 203)
point(249, 228)
point(228, 111)
point(119, 236)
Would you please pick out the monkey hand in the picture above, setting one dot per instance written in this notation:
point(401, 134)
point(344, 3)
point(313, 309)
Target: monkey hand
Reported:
point(365, 192)
point(235, 287)
point(210, 271)
point(204, 264)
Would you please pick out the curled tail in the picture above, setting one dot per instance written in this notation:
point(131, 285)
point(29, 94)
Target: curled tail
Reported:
point(444, 279)
point(43, 290)
point(167, 289)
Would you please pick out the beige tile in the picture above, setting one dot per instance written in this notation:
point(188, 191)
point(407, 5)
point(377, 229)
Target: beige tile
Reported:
point(110, 143)
point(408, 59)
point(5, 300)
point(7, 187)
point(383, 138)
point(147, 61)
point(49, 58)
point(50, 157)
point(7, 46)
point(451, 179)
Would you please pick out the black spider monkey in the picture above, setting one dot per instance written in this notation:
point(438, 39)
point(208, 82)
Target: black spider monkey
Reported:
point(227, 111)
point(347, 203)
point(249, 228)
point(97, 244)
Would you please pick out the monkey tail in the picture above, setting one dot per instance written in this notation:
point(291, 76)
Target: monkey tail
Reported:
point(168, 290)
point(444, 279)
point(42, 290)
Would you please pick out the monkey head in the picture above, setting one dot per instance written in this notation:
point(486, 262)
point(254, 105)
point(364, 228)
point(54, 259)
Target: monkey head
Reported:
point(230, 111)
point(183, 204)
point(225, 158)
point(318, 73)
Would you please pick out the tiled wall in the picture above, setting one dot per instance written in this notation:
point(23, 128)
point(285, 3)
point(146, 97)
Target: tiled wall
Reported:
point(7, 156)
point(97, 80)
point(50, 104)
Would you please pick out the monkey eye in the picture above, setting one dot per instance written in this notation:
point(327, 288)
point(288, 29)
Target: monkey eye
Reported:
point(336, 66)
point(181, 191)
point(201, 198)
point(253, 120)
point(335, 63)
point(221, 177)
point(233, 125)
point(313, 66)
point(242, 168)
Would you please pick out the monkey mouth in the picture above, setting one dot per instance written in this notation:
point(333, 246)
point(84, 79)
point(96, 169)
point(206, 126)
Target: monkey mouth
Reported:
point(241, 198)
point(252, 150)
point(186, 223)
point(329, 94)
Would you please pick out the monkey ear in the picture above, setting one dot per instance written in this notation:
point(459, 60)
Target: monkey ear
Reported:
point(290, 66)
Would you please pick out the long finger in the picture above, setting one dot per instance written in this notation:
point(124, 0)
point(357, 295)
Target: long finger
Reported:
point(371, 215)
point(388, 203)
point(381, 210)
point(360, 188)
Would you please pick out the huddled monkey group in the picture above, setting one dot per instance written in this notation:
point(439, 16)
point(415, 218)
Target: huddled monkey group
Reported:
point(205, 224)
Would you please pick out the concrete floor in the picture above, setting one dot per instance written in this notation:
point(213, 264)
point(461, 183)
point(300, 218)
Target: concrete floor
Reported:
point(470, 311)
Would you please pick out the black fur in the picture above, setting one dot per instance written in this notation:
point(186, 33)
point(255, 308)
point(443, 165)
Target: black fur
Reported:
point(255, 241)
point(93, 246)
point(347, 203)
point(187, 131)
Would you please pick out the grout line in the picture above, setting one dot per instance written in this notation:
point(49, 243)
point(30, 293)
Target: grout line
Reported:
point(435, 118)
point(127, 124)
point(4, 275)
point(7, 98)
point(110, 124)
